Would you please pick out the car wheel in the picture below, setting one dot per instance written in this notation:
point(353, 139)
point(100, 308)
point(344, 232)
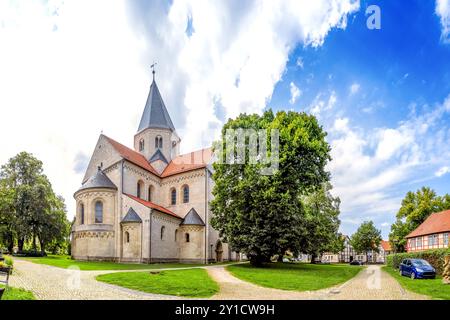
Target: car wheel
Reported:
point(413, 275)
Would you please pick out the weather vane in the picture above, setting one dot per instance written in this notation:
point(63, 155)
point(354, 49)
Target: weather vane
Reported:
point(153, 69)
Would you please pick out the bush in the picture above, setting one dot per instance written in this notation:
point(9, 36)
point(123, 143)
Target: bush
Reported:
point(435, 257)
point(9, 261)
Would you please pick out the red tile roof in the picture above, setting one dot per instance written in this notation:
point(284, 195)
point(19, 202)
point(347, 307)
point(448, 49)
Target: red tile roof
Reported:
point(187, 162)
point(386, 245)
point(435, 223)
point(132, 156)
point(152, 205)
point(183, 163)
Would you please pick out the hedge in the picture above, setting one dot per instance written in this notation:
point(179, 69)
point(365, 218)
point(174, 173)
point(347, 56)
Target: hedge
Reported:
point(435, 257)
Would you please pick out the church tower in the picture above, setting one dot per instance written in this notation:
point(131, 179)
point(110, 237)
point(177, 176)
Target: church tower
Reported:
point(156, 138)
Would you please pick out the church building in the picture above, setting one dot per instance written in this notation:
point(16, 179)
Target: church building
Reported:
point(147, 204)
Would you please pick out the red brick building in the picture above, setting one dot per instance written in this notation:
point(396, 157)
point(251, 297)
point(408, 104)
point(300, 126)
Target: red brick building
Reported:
point(433, 233)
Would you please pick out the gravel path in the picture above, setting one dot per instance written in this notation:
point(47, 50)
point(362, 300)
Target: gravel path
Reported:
point(52, 283)
point(370, 284)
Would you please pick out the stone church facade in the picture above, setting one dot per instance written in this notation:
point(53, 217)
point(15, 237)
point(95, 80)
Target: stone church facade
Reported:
point(147, 204)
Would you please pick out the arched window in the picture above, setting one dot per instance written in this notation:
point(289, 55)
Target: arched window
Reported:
point(173, 196)
point(127, 237)
point(185, 194)
point(150, 191)
point(99, 212)
point(158, 142)
point(139, 187)
point(81, 213)
point(176, 234)
point(141, 145)
point(162, 232)
point(187, 237)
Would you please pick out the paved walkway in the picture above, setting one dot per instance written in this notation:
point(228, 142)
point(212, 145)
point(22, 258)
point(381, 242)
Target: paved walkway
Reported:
point(370, 284)
point(52, 283)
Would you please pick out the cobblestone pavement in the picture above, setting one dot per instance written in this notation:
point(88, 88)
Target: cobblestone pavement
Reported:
point(370, 284)
point(52, 283)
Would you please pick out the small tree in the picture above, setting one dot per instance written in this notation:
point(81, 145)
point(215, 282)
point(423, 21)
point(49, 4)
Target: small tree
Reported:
point(366, 238)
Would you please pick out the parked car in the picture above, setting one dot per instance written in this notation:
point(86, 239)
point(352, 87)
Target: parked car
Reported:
point(356, 263)
point(417, 269)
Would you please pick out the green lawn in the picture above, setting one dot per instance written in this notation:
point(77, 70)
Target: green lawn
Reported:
point(66, 262)
point(17, 294)
point(429, 287)
point(295, 276)
point(194, 283)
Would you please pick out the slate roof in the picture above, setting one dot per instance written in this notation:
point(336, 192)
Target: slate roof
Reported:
point(158, 155)
point(152, 205)
point(192, 218)
point(131, 216)
point(155, 113)
point(435, 223)
point(99, 180)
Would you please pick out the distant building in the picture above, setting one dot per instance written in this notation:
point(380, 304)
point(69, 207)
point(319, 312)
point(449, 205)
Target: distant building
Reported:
point(433, 233)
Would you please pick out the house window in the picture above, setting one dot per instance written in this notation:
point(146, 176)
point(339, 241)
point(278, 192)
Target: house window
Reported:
point(99, 212)
point(173, 196)
point(435, 239)
point(176, 234)
point(446, 239)
point(127, 237)
point(419, 242)
point(158, 142)
point(141, 145)
point(81, 213)
point(185, 194)
point(187, 237)
point(162, 232)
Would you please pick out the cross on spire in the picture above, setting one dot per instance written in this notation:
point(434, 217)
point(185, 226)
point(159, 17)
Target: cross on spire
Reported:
point(153, 69)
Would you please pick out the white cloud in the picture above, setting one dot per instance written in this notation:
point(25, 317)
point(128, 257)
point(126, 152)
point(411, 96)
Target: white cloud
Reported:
point(295, 93)
point(70, 69)
point(300, 62)
point(443, 11)
point(321, 104)
point(442, 171)
point(354, 88)
point(368, 167)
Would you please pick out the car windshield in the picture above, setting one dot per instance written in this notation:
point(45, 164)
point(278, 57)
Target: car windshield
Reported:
point(420, 263)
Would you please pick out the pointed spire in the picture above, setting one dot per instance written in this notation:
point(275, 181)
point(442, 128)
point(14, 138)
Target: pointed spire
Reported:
point(155, 113)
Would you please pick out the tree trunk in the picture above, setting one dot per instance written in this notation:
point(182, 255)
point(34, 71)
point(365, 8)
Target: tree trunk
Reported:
point(280, 258)
point(42, 243)
point(34, 243)
point(20, 243)
point(10, 243)
point(313, 258)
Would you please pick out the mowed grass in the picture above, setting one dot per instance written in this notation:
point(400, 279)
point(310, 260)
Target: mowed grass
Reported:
point(65, 262)
point(192, 283)
point(17, 294)
point(433, 288)
point(295, 276)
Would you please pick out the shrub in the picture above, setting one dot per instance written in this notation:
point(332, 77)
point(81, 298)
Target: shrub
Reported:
point(435, 257)
point(9, 261)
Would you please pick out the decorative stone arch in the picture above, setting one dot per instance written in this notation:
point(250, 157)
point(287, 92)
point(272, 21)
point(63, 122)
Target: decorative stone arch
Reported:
point(150, 192)
point(140, 189)
point(219, 251)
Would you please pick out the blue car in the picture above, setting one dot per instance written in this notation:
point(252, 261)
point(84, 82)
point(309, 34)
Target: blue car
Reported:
point(417, 269)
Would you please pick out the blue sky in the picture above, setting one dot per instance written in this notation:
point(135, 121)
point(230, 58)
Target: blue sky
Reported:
point(404, 66)
point(76, 69)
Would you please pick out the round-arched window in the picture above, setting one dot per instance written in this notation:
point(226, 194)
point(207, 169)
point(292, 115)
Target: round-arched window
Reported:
point(187, 237)
point(99, 212)
point(185, 194)
point(173, 196)
point(163, 229)
point(127, 237)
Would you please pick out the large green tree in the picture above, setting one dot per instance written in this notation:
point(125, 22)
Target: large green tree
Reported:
point(366, 238)
point(28, 215)
point(415, 208)
point(263, 215)
point(322, 223)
